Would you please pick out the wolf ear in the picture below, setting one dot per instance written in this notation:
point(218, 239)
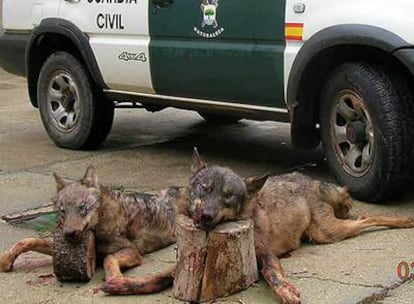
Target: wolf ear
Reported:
point(198, 163)
point(90, 179)
point(254, 184)
point(60, 183)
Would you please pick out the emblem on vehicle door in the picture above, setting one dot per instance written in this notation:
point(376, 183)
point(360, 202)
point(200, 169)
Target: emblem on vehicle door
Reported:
point(209, 23)
point(209, 13)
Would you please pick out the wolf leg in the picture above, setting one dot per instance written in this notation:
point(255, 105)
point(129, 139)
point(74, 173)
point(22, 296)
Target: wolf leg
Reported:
point(124, 258)
point(273, 274)
point(8, 258)
point(330, 230)
point(388, 221)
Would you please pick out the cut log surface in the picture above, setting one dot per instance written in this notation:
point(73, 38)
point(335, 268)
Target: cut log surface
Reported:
point(214, 264)
point(74, 262)
point(191, 257)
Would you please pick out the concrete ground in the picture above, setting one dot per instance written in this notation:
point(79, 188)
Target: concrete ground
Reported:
point(147, 152)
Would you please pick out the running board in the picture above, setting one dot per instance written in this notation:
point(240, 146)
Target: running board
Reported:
point(201, 105)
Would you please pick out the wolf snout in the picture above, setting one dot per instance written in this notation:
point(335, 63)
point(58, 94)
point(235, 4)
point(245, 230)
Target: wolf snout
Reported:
point(207, 221)
point(203, 220)
point(72, 235)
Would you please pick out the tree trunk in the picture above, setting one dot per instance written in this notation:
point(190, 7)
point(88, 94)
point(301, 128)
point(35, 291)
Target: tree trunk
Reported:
point(214, 264)
point(74, 262)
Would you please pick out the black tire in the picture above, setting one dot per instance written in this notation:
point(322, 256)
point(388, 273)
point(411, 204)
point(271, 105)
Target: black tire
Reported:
point(219, 119)
point(366, 121)
point(68, 105)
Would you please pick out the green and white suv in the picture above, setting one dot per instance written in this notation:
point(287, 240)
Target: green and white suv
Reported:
point(340, 71)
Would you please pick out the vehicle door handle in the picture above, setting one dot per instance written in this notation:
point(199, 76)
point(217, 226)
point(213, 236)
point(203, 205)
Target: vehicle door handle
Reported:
point(162, 3)
point(73, 1)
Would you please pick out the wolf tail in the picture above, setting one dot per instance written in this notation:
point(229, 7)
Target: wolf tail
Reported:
point(143, 285)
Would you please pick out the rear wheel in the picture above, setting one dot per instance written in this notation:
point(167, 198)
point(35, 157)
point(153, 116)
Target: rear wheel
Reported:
point(68, 105)
point(366, 124)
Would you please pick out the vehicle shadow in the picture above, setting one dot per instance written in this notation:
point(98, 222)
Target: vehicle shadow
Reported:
point(256, 144)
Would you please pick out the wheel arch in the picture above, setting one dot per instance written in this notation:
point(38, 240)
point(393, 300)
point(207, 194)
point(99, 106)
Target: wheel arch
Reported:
point(58, 35)
point(323, 52)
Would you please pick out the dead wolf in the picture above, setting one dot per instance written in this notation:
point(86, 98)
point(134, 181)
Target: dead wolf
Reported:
point(285, 209)
point(125, 225)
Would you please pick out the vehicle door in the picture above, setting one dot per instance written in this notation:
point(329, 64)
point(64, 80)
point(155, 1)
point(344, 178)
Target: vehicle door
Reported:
point(118, 34)
point(226, 50)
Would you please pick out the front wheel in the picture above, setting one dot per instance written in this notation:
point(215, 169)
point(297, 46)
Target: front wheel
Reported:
point(68, 105)
point(366, 125)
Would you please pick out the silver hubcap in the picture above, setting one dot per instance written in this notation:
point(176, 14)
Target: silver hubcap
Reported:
point(352, 133)
point(63, 101)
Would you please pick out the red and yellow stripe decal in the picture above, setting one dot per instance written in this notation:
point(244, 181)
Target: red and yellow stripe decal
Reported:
point(294, 31)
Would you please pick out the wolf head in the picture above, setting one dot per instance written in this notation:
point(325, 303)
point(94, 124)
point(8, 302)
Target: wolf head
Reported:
point(77, 204)
point(217, 194)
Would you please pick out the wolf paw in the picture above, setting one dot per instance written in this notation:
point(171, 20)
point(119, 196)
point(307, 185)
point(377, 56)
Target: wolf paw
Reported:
point(112, 286)
point(6, 263)
point(410, 222)
point(118, 285)
point(288, 293)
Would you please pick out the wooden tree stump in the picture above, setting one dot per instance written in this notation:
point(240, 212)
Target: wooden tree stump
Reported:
point(74, 262)
point(216, 263)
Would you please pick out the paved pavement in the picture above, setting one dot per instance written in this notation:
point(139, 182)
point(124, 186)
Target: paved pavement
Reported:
point(149, 151)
